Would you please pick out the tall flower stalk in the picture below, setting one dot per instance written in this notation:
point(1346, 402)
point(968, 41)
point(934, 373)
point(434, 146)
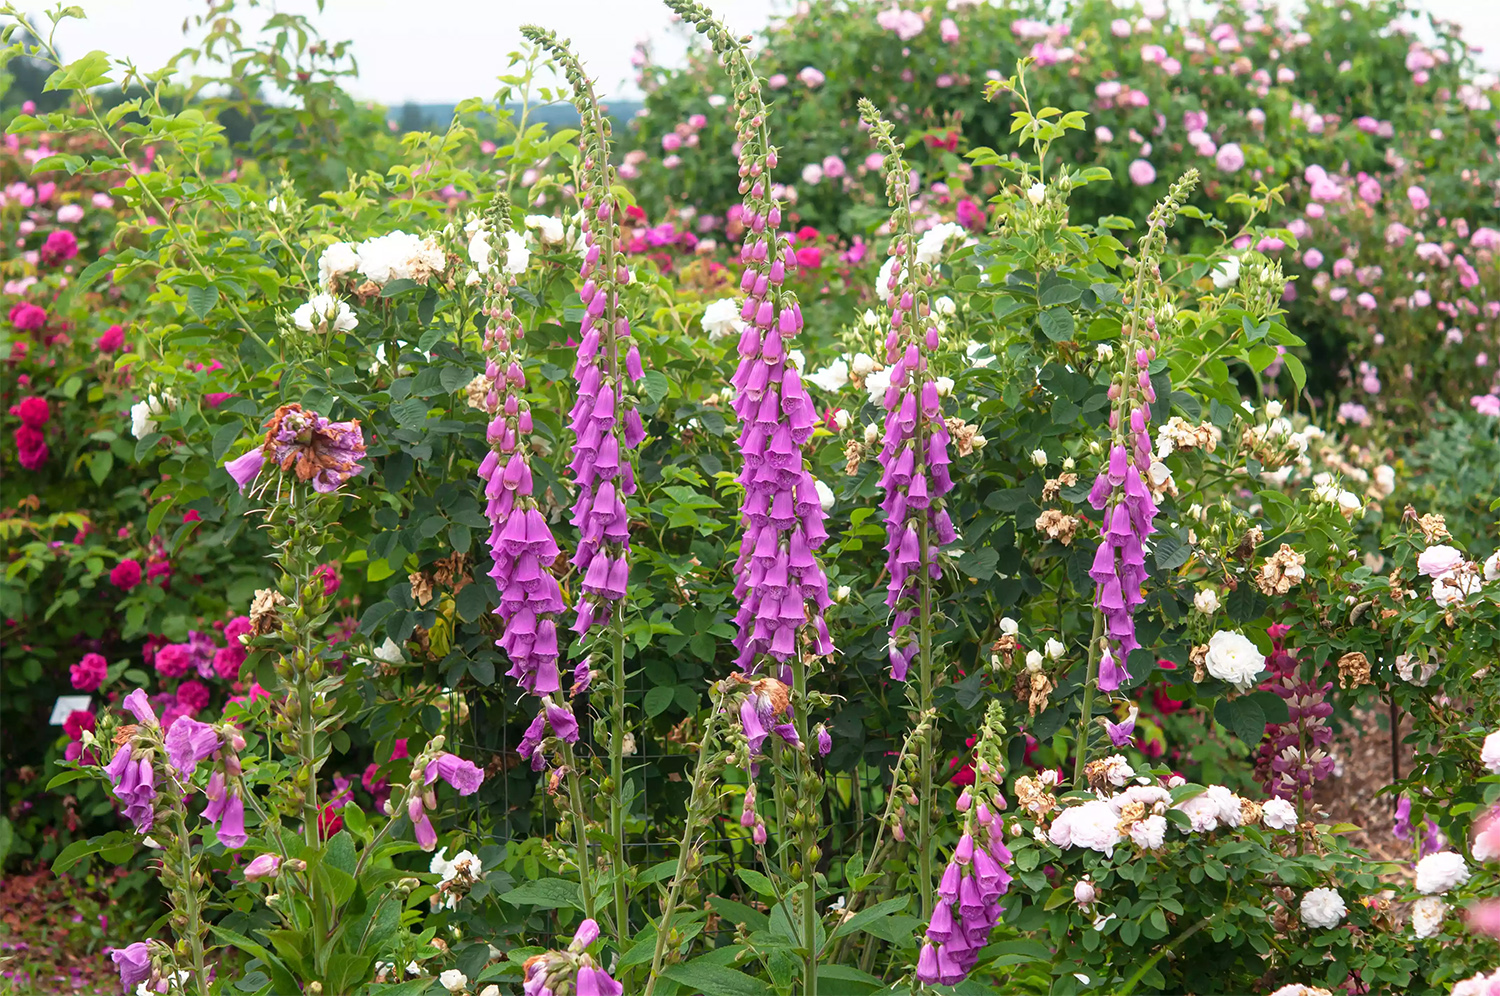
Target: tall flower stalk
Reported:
point(1121, 492)
point(606, 427)
point(522, 547)
point(914, 467)
point(780, 584)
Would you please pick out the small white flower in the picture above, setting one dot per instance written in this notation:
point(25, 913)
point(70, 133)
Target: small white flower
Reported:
point(876, 384)
point(1105, 352)
point(1427, 916)
point(1492, 567)
point(1034, 660)
point(841, 594)
point(1226, 274)
point(944, 386)
point(872, 434)
point(389, 652)
point(1009, 626)
point(339, 259)
point(1039, 457)
point(1206, 601)
point(1490, 754)
point(1149, 833)
point(944, 306)
point(1322, 909)
point(1054, 648)
point(144, 414)
point(1437, 873)
point(841, 419)
point(517, 254)
point(1117, 770)
point(1278, 814)
point(1273, 409)
point(1450, 590)
point(1037, 193)
point(1233, 658)
point(862, 365)
point(721, 318)
point(825, 495)
point(548, 228)
point(324, 312)
point(797, 359)
point(1083, 892)
point(453, 980)
point(929, 247)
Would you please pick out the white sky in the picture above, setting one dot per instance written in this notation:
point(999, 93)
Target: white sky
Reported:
point(442, 51)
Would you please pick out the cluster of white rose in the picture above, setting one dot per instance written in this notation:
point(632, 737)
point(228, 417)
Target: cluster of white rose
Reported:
point(1454, 576)
point(146, 414)
point(1232, 658)
point(393, 256)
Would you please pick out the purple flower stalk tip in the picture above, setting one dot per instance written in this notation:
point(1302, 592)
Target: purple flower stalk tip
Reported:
point(312, 447)
point(464, 776)
point(133, 962)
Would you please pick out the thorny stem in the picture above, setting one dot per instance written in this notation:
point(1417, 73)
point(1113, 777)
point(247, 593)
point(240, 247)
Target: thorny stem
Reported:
point(701, 780)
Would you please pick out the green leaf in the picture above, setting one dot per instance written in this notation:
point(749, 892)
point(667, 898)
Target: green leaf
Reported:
point(849, 980)
point(1243, 716)
point(657, 700)
point(1297, 370)
point(545, 893)
point(100, 465)
point(979, 563)
point(1064, 293)
point(656, 385)
point(281, 979)
point(864, 918)
point(1057, 324)
point(94, 271)
point(704, 977)
point(1060, 895)
point(80, 849)
point(201, 300)
point(1171, 552)
point(756, 881)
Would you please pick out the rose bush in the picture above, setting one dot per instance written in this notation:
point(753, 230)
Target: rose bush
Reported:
point(969, 600)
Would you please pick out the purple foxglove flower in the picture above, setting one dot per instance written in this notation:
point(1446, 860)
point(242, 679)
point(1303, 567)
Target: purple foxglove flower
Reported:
point(421, 825)
point(231, 829)
point(188, 742)
point(134, 784)
point(597, 982)
point(586, 934)
point(464, 776)
point(245, 469)
point(1120, 733)
point(561, 719)
point(140, 706)
point(262, 866)
point(825, 742)
point(304, 443)
point(134, 963)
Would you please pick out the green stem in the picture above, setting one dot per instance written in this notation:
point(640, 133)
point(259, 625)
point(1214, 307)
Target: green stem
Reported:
point(617, 771)
point(809, 832)
point(580, 830)
point(190, 907)
point(685, 849)
point(1140, 973)
point(1086, 714)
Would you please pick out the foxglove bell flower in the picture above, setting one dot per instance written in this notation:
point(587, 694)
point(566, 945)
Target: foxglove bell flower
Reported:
point(522, 548)
point(606, 427)
point(572, 970)
point(914, 451)
point(133, 962)
point(464, 776)
point(304, 443)
point(225, 811)
point(780, 583)
point(188, 742)
point(967, 904)
point(766, 709)
point(133, 782)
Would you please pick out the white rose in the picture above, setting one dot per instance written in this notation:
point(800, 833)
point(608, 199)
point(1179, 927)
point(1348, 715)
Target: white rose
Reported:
point(1226, 274)
point(862, 365)
point(1149, 833)
point(832, 377)
point(1278, 814)
point(548, 228)
point(1427, 915)
point(841, 594)
point(1273, 409)
point(1009, 626)
point(872, 434)
point(453, 980)
point(337, 260)
point(491, 990)
point(944, 386)
point(1054, 648)
point(1322, 909)
point(1037, 193)
point(1490, 754)
point(1449, 590)
point(841, 419)
point(944, 306)
point(797, 359)
point(1039, 457)
point(1105, 352)
point(930, 246)
point(1233, 658)
point(517, 254)
point(1206, 601)
point(721, 318)
point(1034, 660)
point(1437, 873)
point(876, 384)
point(1492, 567)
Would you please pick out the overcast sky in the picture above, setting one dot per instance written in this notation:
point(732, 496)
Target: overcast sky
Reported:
point(440, 51)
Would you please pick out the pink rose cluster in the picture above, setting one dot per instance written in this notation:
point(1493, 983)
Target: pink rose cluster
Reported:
point(31, 442)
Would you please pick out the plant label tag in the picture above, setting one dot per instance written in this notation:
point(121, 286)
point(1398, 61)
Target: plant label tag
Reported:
point(67, 704)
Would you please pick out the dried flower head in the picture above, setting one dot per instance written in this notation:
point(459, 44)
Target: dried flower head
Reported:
point(1354, 670)
point(1281, 572)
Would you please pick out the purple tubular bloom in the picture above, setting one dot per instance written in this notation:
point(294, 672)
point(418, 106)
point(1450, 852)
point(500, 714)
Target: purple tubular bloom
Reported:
point(225, 811)
point(522, 548)
point(188, 742)
point(913, 456)
point(134, 963)
point(1120, 733)
point(464, 776)
point(561, 719)
point(245, 469)
point(1119, 567)
point(140, 707)
point(597, 982)
point(604, 428)
point(422, 826)
point(316, 449)
point(967, 910)
point(134, 784)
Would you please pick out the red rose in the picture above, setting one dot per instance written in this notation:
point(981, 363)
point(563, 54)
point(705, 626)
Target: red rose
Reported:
point(126, 575)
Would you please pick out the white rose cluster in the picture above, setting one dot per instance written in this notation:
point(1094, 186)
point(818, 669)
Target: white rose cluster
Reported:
point(1212, 808)
point(1427, 916)
point(325, 313)
point(1093, 825)
point(721, 318)
point(145, 414)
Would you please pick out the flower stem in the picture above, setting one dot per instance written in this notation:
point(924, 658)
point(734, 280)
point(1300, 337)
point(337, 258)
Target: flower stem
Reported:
point(190, 907)
point(617, 771)
point(701, 779)
point(580, 829)
point(808, 833)
point(925, 761)
point(1085, 715)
